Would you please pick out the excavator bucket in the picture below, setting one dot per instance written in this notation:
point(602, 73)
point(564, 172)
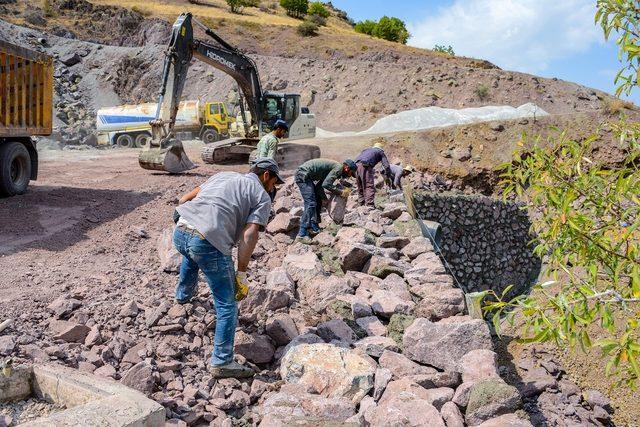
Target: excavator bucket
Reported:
point(171, 158)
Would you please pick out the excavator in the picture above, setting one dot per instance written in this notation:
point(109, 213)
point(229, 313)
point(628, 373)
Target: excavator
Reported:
point(166, 153)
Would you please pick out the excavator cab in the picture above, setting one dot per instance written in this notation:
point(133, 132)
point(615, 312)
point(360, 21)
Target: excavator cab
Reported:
point(277, 106)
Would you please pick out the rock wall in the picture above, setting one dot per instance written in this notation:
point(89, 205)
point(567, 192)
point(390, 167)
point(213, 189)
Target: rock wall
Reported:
point(485, 241)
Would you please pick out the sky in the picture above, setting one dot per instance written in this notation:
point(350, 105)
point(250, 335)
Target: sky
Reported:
point(550, 38)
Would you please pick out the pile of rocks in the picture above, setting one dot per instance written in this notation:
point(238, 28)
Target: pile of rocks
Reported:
point(362, 327)
point(485, 241)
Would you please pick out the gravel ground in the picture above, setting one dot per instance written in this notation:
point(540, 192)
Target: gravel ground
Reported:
point(28, 410)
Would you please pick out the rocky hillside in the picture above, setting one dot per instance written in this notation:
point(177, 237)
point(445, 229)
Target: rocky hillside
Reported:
point(348, 79)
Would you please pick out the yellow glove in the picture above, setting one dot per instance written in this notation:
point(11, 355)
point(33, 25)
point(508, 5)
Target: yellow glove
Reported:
point(345, 192)
point(242, 285)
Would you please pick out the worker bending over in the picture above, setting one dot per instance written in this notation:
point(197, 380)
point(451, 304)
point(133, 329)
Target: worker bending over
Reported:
point(228, 209)
point(268, 145)
point(366, 161)
point(394, 180)
point(313, 178)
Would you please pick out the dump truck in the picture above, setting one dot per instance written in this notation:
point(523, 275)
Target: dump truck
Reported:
point(128, 125)
point(165, 151)
point(26, 104)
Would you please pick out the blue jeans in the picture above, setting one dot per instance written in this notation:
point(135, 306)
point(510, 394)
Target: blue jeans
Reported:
point(199, 254)
point(312, 196)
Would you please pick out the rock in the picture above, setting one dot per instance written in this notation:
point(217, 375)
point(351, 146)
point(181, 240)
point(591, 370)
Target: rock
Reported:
point(255, 348)
point(437, 379)
point(153, 315)
point(177, 311)
point(354, 256)
point(71, 59)
point(439, 301)
point(534, 386)
point(32, 351)
point(170, 365)
point(443, 344)
point(302, 267)
point(601, 414)
point(401, 366)
point(374, 228)
point(404, 217)
point(374, 346)
point(397, 325)
point(307, 338)
point(393, 210)
point(283, 204)
point(129, 309)
point(320, 292)
point(595, 398)
point(281, 328)
point(404, 410)
point(338, 330)
point(416, 247)
point(372, 325)
point(452, 415)
point(324, 239)
point(479, 365)
point(354, 235)
point(381, 267)
point(293, 406)
point(329, 370)
point(276, 294)
point(461, 396)
point(439, 396)
point(283, 223)
point(396, 285)
point(490, 398)
point(106, 371)
point(382, 378)
point(360, 308)
point(132, 355)
point(63, 306)
point(397, 242)
point(386, 304)
point(140, 377)
point(93, 337)
point(7, 345)
point(507, 420)
point(170, 258)
point(69, 331)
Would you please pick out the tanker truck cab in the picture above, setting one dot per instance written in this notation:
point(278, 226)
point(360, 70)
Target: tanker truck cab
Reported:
point(276, 106)
point(216, 122)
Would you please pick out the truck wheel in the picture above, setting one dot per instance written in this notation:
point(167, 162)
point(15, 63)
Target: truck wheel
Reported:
point(15, 169)
point(142, 139)
point(210, 135)
point(124, 140)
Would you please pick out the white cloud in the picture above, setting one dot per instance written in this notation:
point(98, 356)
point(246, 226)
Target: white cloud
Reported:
point(523, 35)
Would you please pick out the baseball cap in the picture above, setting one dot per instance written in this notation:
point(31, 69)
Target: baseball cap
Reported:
point(281, 124)
point(351, 164)
point(269, 164)
point(409, 168)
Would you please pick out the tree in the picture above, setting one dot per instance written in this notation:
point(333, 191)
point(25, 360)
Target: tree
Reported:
point(366, 27)
point(236, 6)
point(392, 29)
point(308, 29)
point(587, 228)
point(295, 8)
point(444, 49)
point(317, 8)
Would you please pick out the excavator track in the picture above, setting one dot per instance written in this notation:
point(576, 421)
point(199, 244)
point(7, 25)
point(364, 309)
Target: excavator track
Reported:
point(290, 155)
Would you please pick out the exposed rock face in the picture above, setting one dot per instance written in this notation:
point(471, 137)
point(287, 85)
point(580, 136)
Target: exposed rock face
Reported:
point(328, 370)
point(443, 344)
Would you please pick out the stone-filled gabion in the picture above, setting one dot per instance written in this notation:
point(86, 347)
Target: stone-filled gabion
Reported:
point(485, 241)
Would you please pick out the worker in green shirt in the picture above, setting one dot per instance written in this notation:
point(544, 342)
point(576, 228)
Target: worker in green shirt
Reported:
point(314, 177)
point(268, 145)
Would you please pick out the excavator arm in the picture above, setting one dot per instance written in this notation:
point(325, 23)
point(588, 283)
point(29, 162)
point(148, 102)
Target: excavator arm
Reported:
point(164, 151)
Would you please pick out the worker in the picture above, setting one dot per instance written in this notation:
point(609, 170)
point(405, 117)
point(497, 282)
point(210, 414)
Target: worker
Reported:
point(268, 145)
point(366, 161)
point(314, 177)
point(227, 210)
point(393, 181)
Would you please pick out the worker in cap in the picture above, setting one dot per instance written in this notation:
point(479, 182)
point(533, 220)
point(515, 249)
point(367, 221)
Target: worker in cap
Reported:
point(393, 181)
point(366, 161)
point(229, 209)
point(314, 177)
point(268, 145)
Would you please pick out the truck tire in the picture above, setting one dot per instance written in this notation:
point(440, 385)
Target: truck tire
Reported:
point(142, 139)
point(209, 136)
point(124, 140)
point(15, 169)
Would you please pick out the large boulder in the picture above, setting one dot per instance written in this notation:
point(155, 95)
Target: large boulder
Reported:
point(140, 377)
point(170, 258)
point(404, 409)
point(416, 247)
point(372, 325)
point(387, 303)
point(338, 330)
point(397, 242)
point(382, 266)
point(292, 405)
point(397, 285)
point(375, 346)
point(302, 264)
point(452, 415)
point(281, 328)
point(277, 293)
point(69, 331)
point(439, 301)
point(479, 365)
point(329, 370)
point(491, 398)
point(354, 256)
point(442, 344)
point(401, 367)
point(283, 223)
point(254, 347)
point(354, 235)
point(320, 292)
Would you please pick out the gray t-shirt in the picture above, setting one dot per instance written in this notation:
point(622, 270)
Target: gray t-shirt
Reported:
point(226, 203)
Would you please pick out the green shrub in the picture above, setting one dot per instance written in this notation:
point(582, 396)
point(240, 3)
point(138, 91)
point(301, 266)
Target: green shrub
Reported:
point(317, 19)
point(482, 92)
point(317, 8)
point(295, 8)
point(366, 27)
point(236, 6)
point(388, 28)
point(308, 29)
point(444, 49)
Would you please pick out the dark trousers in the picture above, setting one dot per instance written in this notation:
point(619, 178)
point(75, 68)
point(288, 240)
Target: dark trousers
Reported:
point(366, 184)
point(312, 196)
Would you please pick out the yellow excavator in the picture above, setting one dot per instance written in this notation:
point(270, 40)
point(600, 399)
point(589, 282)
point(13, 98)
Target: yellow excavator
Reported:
point(165, 152)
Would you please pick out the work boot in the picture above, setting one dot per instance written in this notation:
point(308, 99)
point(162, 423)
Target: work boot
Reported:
point(315, 229)
point(303, 236)
point(230, 370)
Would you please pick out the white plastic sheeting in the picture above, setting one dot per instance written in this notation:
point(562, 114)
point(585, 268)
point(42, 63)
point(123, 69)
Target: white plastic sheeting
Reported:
point(431, 117)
